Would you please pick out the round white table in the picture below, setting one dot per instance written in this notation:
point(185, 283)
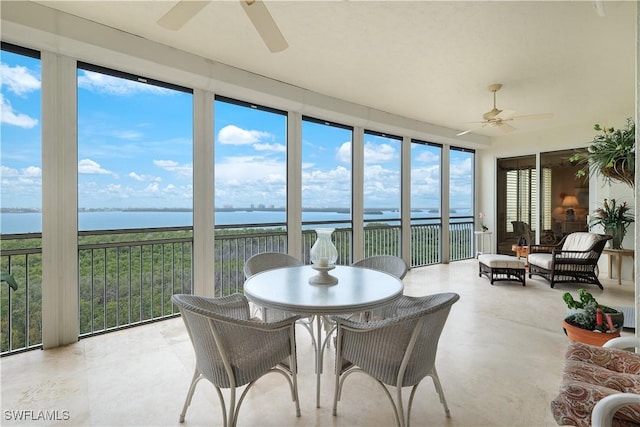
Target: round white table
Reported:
point(358, 289)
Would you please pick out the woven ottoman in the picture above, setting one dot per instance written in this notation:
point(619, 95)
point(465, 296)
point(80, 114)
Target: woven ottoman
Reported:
point(501, 267)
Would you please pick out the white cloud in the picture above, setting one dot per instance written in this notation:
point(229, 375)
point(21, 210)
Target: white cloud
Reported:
point(379, 153)
point(246, 180)
point(462, 168)
point(127, 134)
point(181, 171)
point(10, 117)
point(102, 83)
point(152, 188)
point(276, 148)
point(21, 187)
point(19, 80)
point(7, 172)
point(27, 174)
point(233, 135)
point(427, 157)
point(32, 171)
point(88, 166)
point(344, 153)
point(144, 178)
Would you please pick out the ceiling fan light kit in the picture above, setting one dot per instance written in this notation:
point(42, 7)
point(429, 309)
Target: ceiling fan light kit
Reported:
point(498, 118)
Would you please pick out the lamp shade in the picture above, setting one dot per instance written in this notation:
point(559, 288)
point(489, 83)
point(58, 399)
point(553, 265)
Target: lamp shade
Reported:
point(570, 202)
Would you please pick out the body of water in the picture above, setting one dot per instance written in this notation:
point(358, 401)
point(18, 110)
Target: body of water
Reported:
point(31, 222)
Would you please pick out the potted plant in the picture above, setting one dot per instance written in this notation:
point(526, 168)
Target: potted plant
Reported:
point(614, 219)
point(611, 154)
point(589, 322)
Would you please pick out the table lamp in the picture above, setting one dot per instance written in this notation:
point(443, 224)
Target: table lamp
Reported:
point(570, 202)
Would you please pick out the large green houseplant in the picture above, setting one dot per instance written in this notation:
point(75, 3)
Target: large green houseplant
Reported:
point(610, 155)
point(615, 220)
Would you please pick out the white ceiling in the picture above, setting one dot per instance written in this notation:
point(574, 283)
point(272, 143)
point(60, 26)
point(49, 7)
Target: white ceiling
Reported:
point(426, 60)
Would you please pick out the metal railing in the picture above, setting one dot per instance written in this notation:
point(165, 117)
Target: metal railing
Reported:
point(127, 277)
point(131, 280)
point(21, 310)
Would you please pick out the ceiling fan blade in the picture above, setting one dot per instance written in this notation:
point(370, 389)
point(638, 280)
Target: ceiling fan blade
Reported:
point(470, 130)
point(264, 24)
point(533, 117)
point(180, 14)
point(505, 114)
point(506, 127)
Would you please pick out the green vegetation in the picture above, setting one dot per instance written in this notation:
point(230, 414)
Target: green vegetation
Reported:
point(129, 278)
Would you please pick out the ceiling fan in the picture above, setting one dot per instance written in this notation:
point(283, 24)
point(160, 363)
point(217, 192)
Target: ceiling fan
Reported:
point(256, 10)
point(499, 118)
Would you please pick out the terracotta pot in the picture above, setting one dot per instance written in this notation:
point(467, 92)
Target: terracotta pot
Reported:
point(587, 337)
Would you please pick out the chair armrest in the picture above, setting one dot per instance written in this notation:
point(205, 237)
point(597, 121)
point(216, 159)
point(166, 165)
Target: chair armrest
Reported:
point(262, 326)
point(623, 343)
point(543, 248)
point(605, 409)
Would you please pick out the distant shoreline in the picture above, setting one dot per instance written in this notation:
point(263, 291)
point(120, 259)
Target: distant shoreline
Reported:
point(370, 211)
point(243, 209)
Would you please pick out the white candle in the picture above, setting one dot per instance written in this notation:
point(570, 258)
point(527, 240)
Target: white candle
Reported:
point(323, 262)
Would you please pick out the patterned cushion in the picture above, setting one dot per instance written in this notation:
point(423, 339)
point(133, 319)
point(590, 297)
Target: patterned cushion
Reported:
point(590, 374)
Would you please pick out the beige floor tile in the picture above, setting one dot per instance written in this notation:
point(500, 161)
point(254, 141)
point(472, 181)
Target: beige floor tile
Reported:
point(499, 360)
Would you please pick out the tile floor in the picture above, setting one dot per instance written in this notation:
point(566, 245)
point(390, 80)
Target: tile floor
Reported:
point(499, 360)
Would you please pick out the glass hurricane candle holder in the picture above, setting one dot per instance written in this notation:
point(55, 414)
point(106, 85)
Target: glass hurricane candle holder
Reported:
point(323, 252)
point(323, 255)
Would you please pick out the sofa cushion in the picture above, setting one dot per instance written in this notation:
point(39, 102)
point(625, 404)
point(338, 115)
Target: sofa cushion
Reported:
point(613, 359)
point(576, 400)
point(579, 241)
point(575, 370)
point(590, 374)
point(541, 260)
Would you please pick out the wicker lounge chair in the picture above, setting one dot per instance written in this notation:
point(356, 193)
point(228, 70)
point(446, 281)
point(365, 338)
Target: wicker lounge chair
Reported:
point(398, 351)
point(232, 351)
point(573, 260)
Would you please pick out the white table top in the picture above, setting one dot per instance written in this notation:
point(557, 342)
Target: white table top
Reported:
point(288, 288)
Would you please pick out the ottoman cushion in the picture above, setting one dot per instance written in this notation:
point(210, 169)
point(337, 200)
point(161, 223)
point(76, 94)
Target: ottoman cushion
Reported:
point(500, 261)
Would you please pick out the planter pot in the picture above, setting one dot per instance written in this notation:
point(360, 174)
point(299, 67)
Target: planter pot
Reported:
point(618, 236)
point(587, 337)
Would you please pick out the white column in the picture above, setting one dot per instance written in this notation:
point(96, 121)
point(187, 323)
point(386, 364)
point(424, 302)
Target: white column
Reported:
point(60, 323)
point(637, 177)
point(203, 194)
point(446, 205)
point(294, 185)
point(357, 196)
point(405, 199)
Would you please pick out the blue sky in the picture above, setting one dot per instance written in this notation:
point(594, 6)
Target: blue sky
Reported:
point(135, 150)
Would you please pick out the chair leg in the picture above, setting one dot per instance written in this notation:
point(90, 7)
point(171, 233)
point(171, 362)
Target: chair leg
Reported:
point(197, 376)
point(436, 382)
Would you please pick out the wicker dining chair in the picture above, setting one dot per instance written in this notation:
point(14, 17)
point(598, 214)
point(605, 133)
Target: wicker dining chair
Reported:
point(391, 264)
point(267, 261)
point(233, 351)
point(398, 351)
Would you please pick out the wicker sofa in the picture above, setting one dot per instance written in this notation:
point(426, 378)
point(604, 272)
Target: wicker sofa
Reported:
point(573, 260)
point(590, 375)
